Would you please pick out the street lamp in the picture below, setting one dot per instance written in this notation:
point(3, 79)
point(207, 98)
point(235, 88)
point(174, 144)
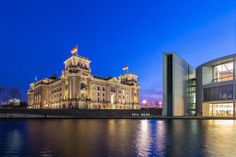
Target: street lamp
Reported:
point(144, 102)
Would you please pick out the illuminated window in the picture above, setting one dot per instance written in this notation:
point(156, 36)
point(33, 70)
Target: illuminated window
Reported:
point(223, 72)
point(222, 109)
point(112, 99)
point(82, 96)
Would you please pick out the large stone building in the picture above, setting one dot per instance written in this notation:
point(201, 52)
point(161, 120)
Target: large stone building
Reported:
point(77, 88)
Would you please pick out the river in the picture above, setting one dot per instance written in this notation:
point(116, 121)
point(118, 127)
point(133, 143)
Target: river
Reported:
point(113, 137)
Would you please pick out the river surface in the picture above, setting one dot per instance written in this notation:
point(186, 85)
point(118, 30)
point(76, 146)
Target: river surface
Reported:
point(85, 138)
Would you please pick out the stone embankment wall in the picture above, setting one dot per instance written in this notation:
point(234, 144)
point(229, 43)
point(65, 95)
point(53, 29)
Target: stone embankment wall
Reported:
point(78, 113)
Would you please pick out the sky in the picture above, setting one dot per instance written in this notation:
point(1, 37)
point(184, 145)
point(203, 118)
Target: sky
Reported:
point(37, 36)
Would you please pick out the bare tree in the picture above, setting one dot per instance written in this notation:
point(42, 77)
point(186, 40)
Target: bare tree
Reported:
point(15, 93)
point(3, 94)
point(9, 93)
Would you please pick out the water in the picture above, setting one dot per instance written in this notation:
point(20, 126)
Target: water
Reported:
point(86, 138)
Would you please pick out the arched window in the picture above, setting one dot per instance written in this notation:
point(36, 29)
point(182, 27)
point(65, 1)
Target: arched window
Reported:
point(112, 99)
point(83, 86)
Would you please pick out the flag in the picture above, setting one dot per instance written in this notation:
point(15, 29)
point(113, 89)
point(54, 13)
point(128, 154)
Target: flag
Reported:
point(125, 68)
point(74, 50)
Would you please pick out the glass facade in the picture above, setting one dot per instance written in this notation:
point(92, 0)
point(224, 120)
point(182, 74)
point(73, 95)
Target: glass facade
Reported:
point(192, 96)
point(221, 109)
point(218, 93)
point(223, 72)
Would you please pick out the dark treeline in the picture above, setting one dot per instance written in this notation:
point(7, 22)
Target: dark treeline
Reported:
point(9, 93)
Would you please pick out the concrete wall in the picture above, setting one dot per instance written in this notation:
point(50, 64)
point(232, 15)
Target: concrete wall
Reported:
point(181, 72)
point(78, 113)
point(164, 87)
point(199, 94)
point(206, 109)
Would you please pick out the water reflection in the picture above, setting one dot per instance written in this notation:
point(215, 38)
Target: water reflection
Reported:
point(14, 143)
point(219, 138)
point(161, 133)
point(118, 138)
point(143, 140)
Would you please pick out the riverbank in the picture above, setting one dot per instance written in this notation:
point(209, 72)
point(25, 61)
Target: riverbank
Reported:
point(26, 116)
point(94, 114)
point(79, 113)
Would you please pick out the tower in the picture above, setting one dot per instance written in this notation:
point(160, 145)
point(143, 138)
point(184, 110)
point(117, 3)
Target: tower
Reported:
point(75, 78)
point(131, 79)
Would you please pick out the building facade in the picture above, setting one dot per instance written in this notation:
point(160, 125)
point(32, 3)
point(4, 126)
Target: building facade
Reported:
point(211, 90)
point(178, 86)
point(78, 88)
point(216, 87)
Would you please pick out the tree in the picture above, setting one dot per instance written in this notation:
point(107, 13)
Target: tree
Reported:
point(14, 93)
point(3, 95)
point(9, 93)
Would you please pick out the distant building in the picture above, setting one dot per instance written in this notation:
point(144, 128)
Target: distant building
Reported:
point(77, 88)
point(12, 102)
point(208, 91)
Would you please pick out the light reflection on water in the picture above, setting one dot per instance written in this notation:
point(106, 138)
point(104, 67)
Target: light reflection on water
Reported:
point(143, 139)
point(118, 138)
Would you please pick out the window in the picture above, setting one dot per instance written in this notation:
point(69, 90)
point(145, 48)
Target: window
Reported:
point(83, 85)
point(223, 72)
point(218, 93)
point(113, 89)
point(222, 109)
point(112, 99)
point(82, 96)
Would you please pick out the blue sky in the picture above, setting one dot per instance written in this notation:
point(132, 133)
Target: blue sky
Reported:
point(37, 36)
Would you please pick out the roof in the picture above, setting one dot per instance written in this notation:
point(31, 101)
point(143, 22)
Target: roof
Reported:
point(103, 78)
point(76, 55)
point(219, 60)
point(128, 74)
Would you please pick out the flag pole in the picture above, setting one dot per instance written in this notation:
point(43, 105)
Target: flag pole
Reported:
point(77, 46)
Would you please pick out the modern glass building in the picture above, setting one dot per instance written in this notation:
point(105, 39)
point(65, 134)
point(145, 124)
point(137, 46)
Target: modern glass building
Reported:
point(210, 90)
point(216, 86)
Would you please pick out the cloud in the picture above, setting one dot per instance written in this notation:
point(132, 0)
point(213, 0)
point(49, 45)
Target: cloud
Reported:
point(152, 93)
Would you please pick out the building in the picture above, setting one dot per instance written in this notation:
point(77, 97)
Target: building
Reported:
point(178, 86)
point(78, 88)
point(210, 90)
point(216, 87)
